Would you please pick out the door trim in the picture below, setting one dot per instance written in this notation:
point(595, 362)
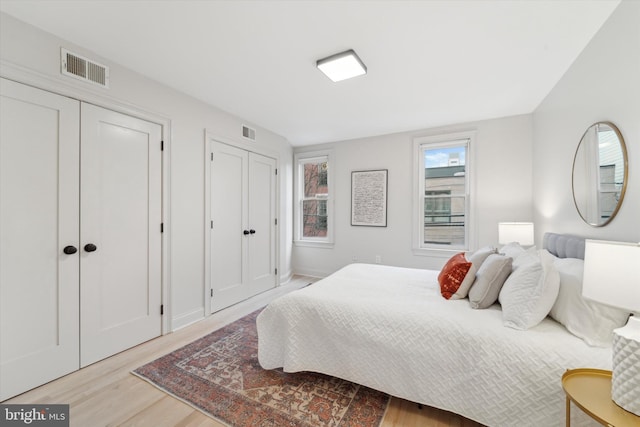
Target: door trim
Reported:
point(209, 138)
point(98, 97)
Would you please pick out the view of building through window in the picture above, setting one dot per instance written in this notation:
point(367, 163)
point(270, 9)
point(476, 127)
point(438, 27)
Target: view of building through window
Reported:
point(445, 199)
point(314, 202)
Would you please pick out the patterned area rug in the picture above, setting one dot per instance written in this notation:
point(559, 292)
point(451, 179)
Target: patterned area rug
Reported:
point(219, 374)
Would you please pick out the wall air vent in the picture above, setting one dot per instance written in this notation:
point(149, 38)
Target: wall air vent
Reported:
point(84, 69)
point(248, 133)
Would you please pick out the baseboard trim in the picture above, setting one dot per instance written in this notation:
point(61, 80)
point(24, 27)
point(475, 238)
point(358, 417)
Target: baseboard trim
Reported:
point(187, 319)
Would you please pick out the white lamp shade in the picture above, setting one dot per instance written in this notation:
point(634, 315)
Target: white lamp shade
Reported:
point(612, 274)
point(521, 232)
point(342, 66)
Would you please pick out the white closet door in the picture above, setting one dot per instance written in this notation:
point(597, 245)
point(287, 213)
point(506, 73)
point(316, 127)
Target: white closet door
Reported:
point(39, 211)
point(262, 214)
point(243, 233)
point(229, 199)
point(121, 215)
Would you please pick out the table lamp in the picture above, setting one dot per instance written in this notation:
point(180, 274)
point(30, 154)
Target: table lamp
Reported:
point(520, 232)
point(612, 277)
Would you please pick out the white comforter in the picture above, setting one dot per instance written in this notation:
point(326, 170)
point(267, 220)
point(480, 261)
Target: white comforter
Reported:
point(388, 328)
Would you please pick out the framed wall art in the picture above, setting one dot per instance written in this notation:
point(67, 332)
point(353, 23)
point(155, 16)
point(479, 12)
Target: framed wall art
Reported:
point(369, 198)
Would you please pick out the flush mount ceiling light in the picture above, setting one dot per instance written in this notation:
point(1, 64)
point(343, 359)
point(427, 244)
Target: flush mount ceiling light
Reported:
point(342, 66)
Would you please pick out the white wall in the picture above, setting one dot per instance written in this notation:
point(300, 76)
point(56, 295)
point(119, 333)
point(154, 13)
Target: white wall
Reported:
point(33, 56)
point(503, 193)
point(603, 84)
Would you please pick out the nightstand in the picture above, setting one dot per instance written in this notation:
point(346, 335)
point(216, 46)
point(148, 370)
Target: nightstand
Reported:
point(590, 390)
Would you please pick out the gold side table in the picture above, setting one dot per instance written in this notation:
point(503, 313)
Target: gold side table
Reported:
point(590, 390)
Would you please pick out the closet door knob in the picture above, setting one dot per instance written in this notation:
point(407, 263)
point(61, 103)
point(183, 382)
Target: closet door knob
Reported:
point(90, 247)
point(245, 232)
point(70, 250)
point(252, 231)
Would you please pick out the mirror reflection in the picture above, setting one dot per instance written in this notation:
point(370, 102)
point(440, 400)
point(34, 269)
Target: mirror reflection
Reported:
point(600, 173)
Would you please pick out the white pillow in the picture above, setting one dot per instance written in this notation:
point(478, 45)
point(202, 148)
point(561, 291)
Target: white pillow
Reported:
point(589, 320)
point(529, 293)
point(489, 280)
point(512, 250)
point(527, 257)
point(520, 255)
point(476, 259)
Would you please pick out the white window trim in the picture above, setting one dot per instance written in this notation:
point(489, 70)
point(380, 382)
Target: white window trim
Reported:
point(418, 186)
point(318, 242)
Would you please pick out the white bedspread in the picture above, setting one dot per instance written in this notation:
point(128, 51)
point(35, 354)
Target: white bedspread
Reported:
point(388, 328)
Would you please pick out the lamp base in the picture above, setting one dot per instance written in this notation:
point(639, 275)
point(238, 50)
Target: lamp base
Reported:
point(625, 384)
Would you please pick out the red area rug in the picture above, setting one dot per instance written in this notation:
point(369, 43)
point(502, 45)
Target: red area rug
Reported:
point(219, 374)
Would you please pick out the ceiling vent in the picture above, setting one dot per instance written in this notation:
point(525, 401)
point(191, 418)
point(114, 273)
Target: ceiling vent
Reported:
point(82, 68)
point(248, 133)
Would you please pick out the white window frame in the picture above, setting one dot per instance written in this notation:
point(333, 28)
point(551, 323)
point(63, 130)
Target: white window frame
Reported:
point(436, 141)
point(300, 158)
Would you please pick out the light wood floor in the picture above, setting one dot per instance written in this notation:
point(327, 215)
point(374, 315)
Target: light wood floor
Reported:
point(106, 394)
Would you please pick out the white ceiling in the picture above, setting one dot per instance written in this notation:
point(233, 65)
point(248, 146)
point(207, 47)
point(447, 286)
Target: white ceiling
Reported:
point(430, 63)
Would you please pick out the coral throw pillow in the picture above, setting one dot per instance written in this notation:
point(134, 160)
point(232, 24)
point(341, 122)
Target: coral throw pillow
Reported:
point(452, 274)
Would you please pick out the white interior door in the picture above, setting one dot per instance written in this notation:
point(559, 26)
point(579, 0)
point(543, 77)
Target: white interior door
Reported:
point(243, 229)
point(120, 198)
point(39, 211)
point(262, 215)
point(229, 199)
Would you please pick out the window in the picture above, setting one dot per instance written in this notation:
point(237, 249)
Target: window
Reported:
point(437, 209)
point(314, 201)
point(442, 185)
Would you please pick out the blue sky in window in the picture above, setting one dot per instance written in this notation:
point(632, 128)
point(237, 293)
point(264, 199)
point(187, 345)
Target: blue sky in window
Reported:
point(439, 157)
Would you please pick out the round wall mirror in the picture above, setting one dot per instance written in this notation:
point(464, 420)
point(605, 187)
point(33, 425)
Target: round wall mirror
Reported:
point(600, 174)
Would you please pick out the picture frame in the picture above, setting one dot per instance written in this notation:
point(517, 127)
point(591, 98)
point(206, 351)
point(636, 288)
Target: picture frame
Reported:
point(369, 198)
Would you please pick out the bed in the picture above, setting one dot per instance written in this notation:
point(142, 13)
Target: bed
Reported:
point(389, 328)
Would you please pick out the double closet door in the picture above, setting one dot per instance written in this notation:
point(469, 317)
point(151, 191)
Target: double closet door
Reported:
point(80, 251)
point(243, 224)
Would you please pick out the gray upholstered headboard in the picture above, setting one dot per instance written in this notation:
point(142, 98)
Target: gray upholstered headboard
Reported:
point(564, 245)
